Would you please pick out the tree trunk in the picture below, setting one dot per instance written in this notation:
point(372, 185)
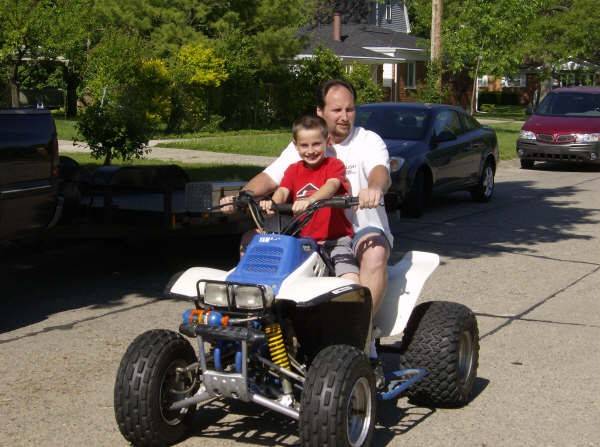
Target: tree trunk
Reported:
point(108, 157)
point(13, 83)
point(72, 82)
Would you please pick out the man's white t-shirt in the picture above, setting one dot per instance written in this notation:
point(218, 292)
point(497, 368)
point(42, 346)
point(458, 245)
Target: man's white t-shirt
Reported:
point(361, 151)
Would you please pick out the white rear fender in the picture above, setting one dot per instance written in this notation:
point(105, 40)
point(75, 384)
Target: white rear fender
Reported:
point(405, 282)
point(185, 284)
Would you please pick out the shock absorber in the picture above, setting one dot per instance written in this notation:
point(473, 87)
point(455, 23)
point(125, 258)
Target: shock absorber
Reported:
point(279, 354)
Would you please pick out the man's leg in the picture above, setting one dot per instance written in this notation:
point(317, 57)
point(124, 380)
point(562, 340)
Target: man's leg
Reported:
point(372, 252)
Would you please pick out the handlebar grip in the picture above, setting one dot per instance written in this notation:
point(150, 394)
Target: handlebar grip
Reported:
point(283, 208)
point(340, 202)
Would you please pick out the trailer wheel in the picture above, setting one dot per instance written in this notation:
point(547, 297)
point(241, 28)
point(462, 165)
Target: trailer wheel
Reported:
point(443, 338)
point(338, 401)
point(147, 384)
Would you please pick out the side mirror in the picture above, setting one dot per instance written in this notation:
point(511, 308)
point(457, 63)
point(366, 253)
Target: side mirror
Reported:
point(444, 135)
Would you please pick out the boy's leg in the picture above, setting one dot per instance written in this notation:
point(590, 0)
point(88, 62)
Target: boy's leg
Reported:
point(343, 260)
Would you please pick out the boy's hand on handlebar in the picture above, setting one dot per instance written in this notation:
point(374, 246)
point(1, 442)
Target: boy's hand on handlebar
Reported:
point(300, 205)
point(370, 198)
point(267, 206)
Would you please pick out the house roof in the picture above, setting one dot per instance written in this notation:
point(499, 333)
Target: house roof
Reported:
point(364, 42)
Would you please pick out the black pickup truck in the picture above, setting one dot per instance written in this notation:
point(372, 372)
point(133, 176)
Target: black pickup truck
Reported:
point(29, 177)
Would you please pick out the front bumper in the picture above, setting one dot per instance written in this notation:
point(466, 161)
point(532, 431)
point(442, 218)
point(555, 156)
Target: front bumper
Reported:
point(574, 152)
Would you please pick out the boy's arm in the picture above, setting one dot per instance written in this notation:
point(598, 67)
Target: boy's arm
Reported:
point(280, 196)
point(327, 191)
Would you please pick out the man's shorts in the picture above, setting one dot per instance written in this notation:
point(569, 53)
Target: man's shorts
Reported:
point(340, 253)
point(364, 231)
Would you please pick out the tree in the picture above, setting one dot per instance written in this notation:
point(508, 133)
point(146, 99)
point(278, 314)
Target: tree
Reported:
point(367, 90)
point(22, 32)
point(480, 35)
point(124, 90)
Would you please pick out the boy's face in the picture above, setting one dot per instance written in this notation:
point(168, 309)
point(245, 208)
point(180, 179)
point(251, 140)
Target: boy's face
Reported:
point(311, 145)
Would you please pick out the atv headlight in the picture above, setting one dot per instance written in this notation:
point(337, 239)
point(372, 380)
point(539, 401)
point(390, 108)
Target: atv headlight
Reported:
point(253, 297)
point(215, 294)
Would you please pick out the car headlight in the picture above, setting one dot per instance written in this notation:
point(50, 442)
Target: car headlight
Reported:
point(587, 137)
point(396, 163)
point(251, 297)
point(215, 294)
point(526, 135)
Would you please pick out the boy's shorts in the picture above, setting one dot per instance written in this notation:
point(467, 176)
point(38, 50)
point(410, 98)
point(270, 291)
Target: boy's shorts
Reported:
point(341, 255)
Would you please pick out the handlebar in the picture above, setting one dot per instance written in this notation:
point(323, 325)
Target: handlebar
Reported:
point(334, 202)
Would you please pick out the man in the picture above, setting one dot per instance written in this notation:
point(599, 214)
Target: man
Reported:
point(367, 168)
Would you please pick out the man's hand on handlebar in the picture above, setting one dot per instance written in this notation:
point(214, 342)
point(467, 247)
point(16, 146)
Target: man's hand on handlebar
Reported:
point(370, 198)
point(226, 204)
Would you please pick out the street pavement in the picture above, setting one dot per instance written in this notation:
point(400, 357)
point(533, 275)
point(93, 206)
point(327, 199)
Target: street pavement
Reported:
point(528, 264)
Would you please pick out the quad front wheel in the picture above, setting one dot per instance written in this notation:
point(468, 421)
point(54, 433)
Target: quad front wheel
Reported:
point(443, 338)
point(338, 401)
point(149, 380)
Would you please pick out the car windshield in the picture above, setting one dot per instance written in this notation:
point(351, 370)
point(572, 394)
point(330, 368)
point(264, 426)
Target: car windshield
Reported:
point(394, 124)
point(570, 104)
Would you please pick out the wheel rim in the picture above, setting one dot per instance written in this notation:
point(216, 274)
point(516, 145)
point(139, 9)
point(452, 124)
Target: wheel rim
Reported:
point(171, 391)
point(359, 412)
point(465, 356)
point(488, 181)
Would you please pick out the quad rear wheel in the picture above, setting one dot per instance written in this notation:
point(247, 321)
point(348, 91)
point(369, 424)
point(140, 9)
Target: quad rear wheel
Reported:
point(338, 401)
point(443, 338)
point(148, 382)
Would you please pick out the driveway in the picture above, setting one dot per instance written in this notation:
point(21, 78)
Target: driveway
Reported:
point(528, 263)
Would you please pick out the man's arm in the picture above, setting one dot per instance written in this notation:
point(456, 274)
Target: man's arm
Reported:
point(379, 182)
point(260, 185)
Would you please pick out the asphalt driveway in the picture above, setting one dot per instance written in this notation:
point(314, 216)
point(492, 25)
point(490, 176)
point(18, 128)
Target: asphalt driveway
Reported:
point(528, 263)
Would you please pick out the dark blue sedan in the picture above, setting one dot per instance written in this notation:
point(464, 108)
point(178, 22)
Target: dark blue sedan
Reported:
point(434, 148)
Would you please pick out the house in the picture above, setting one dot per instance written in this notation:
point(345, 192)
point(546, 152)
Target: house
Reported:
point(526, 86)
point(381, 39)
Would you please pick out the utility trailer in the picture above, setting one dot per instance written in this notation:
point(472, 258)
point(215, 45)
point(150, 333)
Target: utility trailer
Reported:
point(142, 201)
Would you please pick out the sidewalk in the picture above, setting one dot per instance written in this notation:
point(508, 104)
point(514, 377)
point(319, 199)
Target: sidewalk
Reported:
point(180, 155)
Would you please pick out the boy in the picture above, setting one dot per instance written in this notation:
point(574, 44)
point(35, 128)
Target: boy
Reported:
point(317, 177)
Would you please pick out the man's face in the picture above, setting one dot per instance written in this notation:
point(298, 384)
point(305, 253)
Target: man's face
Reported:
point(311, 145)
point(339, 112)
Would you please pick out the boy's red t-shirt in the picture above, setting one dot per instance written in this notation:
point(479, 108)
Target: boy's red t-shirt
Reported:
point(302, 181)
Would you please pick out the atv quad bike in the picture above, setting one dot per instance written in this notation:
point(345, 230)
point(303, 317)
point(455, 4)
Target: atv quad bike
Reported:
point(280, 331)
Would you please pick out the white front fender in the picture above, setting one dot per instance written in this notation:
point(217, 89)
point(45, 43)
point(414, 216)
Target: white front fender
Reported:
point(405, 282)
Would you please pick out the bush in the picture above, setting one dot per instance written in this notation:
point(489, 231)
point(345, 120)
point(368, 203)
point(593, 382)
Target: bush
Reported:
point(499, 98)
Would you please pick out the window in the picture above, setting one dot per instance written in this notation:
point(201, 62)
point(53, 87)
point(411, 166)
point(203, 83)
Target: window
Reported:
point(469, 123)
point(447, 120)
point(482, 81)
point(519, 80)
point(411, 75)
point(388, 11)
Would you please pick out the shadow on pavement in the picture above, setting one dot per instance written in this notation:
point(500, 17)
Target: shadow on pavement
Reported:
point(64, 275)
point(519, 217)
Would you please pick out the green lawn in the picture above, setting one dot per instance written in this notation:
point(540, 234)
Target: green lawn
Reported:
point(494, 111)
point(65, 128)
point(196, 172)
point(507, 134)
point(269, 144)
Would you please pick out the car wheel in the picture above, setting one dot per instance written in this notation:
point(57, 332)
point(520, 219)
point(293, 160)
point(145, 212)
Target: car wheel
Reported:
point(527, 164)
point(485, 188)
point(414, 204)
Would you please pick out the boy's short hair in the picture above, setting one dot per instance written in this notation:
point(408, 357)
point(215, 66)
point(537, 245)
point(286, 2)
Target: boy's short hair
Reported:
point(309, 122)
